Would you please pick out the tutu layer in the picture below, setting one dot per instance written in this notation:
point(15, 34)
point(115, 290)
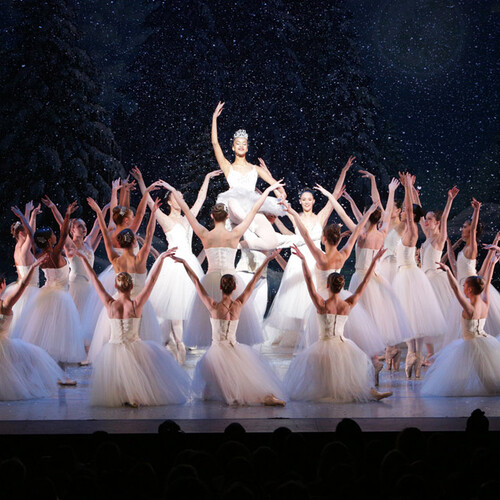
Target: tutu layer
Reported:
point(53, 323)
point(139, 372)
point(198, 331)
point(246, 200)
point(235, 374)
point(259, 294)
point(333, 370)
point(465, 368)
point(29, 294)
point(419, 302)
point(83, 293)
point(388, 268)
point(26, 371)
point(493, 321)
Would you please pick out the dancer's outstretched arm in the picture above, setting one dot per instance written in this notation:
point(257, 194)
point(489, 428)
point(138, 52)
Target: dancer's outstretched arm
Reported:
point(108, 244)
point(265, 174)
point(347, 248)
point(202, 193)
point(223, 162)
point(471, 251)
point(353, 299)
point(443, 225)
point(104, 296)
point(411, 234)
point(27, 227)
point(384, 228)
point(317, 299)
point(337, 207)
point(341, 180)
point(142, 255)
point(141, 208)
point(488, 277)
point(491, 250)
point(247, 292)
point(375, 195)
point(9, 302)
point(58, 248)
point(464, 302)
point(355, 210)
point(115, 187)
point(205, 298)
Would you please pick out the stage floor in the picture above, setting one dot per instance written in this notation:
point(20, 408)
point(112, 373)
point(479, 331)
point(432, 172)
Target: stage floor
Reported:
point(70, 412)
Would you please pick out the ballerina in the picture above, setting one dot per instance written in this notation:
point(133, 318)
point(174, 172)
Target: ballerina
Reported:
point(135, 265)
point(360, 328)
point(333, 369)
point(230, 371)
point(26, 371)
point(80, 287)
point(130, 371)
point(286, 316)
point(174, 293)
point(413, 288)
point(23, 231)
point(435, 227)
point(53, 322)
point(242, 178)
point(469, 366)
point(220, 248)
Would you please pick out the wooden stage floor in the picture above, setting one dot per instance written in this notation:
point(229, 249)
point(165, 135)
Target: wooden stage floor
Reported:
point(70, 413)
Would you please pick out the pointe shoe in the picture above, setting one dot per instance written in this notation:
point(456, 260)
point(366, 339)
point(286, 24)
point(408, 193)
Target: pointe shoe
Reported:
point(181, 353)
point(378, 369)
point(272, 400)
point(131, 405)
point(85, 362)
point(380, 395)
point(418, 365)
point(411, 359)
point(67, 382)
point(393, 357)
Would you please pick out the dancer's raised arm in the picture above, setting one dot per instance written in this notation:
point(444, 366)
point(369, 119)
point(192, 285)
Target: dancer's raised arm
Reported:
point(104, 296)
point(355, 210)
point(489, 275)
point(58, 248)
point(443, 225)
point(202, 193)
point(491, 250)
point(142, 255)
point(470, 251)
point(341, 180)
point(265, 174)
point(223, 162)
point(353, 299)
point(375, 195)
point(386, 222)
point(411, 233)
point(27, 227)
point(108, 244)
point(141, 208)
point(349, 245)
point(337, 207)
point(247, 292)
point(464, 302)
point(317, 299)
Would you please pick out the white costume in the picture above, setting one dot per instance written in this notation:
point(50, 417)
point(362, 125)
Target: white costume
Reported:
point(232, 372)
point(129, 370)
point(388, 264)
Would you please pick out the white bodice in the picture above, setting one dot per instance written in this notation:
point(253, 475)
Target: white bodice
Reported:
point(57, 278)
point(77, 269)
point(250, 261)
point(180, 236)
point(246, 181)
point(5, 321)
point(465, 267)
point(124, 331)
point(22, 271)
point(429, 256)
point(119, 250)
point(224, 330)
point(472, 328)
point(332, 326)
point(405, 257)
point(139, 281)
point(322, 277)
point(364, 257)
point(392, 242)
point(315, 233)
point(221, 259)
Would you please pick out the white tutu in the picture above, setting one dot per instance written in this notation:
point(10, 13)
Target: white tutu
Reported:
point(150, 327)
point(246, 200)
point(333, 369)
point(129, 370)
point(197, 330)
point(388, 266)
point(466, 367)
point(51, 321)
point(285, 320)
point(360, 328)
point(493, 320)
point(233, 372)
point(26, 371)
point(417, 297)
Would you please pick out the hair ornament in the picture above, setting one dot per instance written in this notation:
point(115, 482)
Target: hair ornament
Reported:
point(240, 133)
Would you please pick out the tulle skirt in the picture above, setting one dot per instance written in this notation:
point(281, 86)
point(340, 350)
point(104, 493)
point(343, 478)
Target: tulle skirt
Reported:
point(465, 368)
point(492, 324)
point(139, 372)
point(389, 268)
point(246, 200)
point(150, 330)
point(29, 294)
point(174, 291)
point(360, 328)
point(51, 321)
point(334, 370)
point(442, 289)
point(198, 330)
point(84, 292)
point(26, 371)
point(384, 309)
point(286, 317)
point(235, 374)
point(259, 294)
point(419, 302)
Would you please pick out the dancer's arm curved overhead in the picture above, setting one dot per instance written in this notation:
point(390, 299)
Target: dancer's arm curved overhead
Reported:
point(141, 208)
point(142, 255)
point(337, 207)
point(411, 233)
point(375, 195)
point(353, 299)
point(355, 210)
point(108, 244)
point(223, 162)
point(115, 187)
point(443, 226)
point(386, 222)
point(27, 227)
point(470, 250)
point(341, 180)
point(59, 246)
point(316, 298)
point(202, 193)
point(491, 250)
point(349, 245)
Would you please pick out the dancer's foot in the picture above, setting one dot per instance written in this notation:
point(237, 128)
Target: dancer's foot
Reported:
point(130, 405)
point(272, 400)
point(378, 369)
point(380, 395)
point(411, 359)
point(181, 353)
point(85, 362)
point(67, 382)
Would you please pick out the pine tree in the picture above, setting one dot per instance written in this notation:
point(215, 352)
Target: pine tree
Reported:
point(53, 139)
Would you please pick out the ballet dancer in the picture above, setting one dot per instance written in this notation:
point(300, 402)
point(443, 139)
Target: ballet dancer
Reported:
point(333, 369)
point(230, 371)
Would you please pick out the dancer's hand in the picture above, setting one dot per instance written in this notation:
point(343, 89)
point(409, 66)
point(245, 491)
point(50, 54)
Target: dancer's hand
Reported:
point(177, 259)
point(452, 193)
point(394, 184)
point(272, 255)
point(297, 252)
point(116, 184)
point(218, 109)
point(41, 260)
point(476, 205)
point(125, 184)
point(37, 210)
point(137, 174)
point(156, 206)
point(17, 212)
point(349, 163)
point(322, 190)
point(373, 207)
point(47, 201)
point(442, 266)
point(168, 253)
point(153, 187)
point(166, 185)
point(263, 165)
point(93, 205)
point(345, 194)
point(276, 185)
point(365, 174)
point(72, 207)
point(491, 247)
point(379, 254)
point(213, 174)
point(28, 207)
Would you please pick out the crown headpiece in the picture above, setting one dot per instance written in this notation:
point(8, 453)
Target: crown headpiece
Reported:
point(241, 133)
